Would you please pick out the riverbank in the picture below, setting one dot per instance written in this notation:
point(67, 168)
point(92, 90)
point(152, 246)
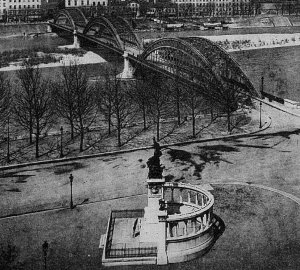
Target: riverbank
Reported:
point(232, 43)
point(62, 59)
point(22, 29)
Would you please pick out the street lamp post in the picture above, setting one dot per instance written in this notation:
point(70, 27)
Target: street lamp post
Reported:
point(71, 201)
point(61, 141)
point(45, 247)
point(260, 103)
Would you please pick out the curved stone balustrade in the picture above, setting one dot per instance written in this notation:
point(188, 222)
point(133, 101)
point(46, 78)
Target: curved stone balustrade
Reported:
point(186, 194)
point(189, 224)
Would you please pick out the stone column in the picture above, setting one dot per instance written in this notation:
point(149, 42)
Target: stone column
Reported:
point(189, 197)
point(194, 224)
point(205, 220)
point(162, 257)
point(128, 70)
point(185, 227)
point(176, 229)
point(180, 195)
point(196, 199)
point(76, 43)
point(49, 29)
point(201, 224)
point(168, 230)
point(172, 194)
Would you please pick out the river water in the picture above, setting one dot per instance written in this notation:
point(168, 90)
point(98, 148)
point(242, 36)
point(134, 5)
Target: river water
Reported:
point(280, 67)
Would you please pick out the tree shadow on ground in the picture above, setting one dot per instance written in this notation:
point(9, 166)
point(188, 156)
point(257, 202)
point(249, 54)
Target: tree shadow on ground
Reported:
point(284, 134)
point(207, 155)
point(67, 168)
point(21, 178)
point(254, 146)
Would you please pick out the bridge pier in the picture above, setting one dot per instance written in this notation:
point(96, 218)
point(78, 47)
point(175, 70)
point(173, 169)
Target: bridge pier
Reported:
point(76, 43)
point(127, 73)
point(49, 28)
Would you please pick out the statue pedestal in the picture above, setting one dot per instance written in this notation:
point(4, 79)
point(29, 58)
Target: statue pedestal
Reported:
point(150, 223)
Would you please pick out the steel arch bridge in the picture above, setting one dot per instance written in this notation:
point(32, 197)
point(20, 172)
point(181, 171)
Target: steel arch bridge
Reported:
point(71, 18)
point(193, 61)
point(198, 61)
point(113, 30)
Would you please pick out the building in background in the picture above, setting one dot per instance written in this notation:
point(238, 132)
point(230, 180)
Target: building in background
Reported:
point(218, 8)
point(79, 3)
point(19, 10)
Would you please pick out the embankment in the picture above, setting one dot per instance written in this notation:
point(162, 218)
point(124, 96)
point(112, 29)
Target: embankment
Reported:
point(9, 30)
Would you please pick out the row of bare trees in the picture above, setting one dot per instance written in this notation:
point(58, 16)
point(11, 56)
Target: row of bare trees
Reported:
point(37, 103)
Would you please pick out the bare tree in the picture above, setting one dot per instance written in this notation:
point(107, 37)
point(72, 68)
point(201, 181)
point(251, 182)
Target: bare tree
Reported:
point(4, 97)
point(30, 79)
point(194, 103)
point(177, 96)
point(124, 109)
point(5, 109)
point(65, 97)
point(229, 99)
point(104, 91)
point(33, 108)
point(158, 99)
point(139, 95)
point(83, 108)
point(116, 102)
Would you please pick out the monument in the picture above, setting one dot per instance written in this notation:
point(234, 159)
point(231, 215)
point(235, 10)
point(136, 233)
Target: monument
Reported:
point(157, 234)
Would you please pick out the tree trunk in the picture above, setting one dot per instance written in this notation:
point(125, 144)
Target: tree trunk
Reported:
point(30, 129)
point(119, 137)
point(194, 123)
point(228, 121)
point(157, 127)
point(144, 117)
point(72, 129)
point(119, 130)
point(81, 139)
point(109, 121)
point(81, 135)
point(37, 137)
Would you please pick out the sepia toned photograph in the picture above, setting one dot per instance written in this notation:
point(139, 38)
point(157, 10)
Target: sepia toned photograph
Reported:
point(149, 134)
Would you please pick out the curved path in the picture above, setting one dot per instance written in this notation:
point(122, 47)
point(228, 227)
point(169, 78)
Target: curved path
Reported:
point(285, 194)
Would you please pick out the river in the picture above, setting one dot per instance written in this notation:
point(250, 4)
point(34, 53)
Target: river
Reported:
point(279, 66)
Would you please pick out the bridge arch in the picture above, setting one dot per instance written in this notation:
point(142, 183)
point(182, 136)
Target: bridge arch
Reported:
point(71, 18)
point(114, 29)
point(101, 27)
point(198, 60)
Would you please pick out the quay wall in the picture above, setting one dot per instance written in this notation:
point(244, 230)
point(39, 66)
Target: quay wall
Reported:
point(17, 29)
